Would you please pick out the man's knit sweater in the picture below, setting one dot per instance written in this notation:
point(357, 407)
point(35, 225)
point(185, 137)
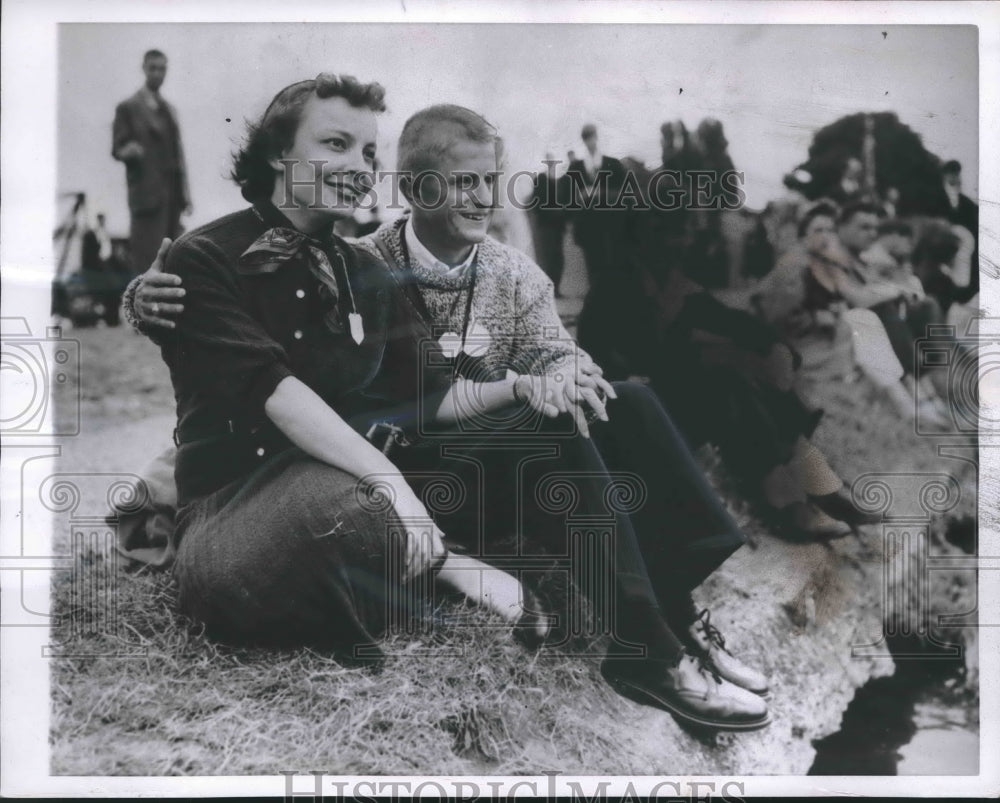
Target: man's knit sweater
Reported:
point(513, 301)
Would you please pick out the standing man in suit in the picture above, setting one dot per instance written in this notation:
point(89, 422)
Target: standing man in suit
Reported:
point(146, 138)
point(598, 227)
point(548, 220)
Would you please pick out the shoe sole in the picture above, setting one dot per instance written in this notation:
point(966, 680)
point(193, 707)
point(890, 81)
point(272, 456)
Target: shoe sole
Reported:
point(641, 695)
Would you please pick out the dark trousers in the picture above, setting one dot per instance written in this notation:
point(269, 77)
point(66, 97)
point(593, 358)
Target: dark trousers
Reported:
point(149, 228)
point(755, 425)
point(533, 502)
point(550, 492)
point(548, 241)
point(684, 532)
point(601, 236)
point(598, 258)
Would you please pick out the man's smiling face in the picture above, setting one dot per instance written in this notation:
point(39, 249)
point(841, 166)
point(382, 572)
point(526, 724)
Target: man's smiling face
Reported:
point(454, 204)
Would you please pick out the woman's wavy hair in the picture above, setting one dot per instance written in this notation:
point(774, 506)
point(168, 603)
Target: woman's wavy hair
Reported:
point(822, 208)
point(274, 133)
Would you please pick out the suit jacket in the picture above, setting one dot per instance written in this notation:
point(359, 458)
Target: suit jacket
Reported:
point(161, 169)
point(589, 220)
point(550, 199)
point(581, 182)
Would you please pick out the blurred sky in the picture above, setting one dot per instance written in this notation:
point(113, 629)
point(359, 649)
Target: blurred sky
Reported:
point(771, 86)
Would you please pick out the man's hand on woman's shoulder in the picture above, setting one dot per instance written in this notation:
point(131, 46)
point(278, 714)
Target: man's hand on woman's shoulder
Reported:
point(157, 298)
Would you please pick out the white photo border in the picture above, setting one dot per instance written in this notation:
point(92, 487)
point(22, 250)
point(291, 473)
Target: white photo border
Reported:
point(29, 91)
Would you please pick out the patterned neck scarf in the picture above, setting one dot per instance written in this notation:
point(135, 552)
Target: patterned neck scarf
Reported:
point(279, 245)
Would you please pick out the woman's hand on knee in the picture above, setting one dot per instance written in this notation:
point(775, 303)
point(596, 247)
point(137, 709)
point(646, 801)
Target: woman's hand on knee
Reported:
point(424, 548)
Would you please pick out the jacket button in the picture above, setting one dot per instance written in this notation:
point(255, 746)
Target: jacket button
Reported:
point(297, 334)
point(260, 451)
point(300, 293)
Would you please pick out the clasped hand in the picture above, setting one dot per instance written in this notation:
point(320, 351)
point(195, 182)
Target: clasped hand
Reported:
point(572, 389)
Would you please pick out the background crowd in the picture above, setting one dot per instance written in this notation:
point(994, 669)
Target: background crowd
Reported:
point(733, 317)
point(726, 313)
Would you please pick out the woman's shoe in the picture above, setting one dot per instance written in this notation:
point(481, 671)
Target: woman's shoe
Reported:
point(801, 521)
point(534, 626)
point(839, 505)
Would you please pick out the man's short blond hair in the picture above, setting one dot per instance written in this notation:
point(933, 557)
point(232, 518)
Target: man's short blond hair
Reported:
point(429, 134)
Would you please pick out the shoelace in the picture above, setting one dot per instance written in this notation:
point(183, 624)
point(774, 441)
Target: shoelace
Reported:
point(710, 630)
point(704, 668)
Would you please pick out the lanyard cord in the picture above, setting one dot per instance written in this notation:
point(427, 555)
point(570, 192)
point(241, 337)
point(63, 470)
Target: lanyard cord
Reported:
point(472, 283)
point(347, 280)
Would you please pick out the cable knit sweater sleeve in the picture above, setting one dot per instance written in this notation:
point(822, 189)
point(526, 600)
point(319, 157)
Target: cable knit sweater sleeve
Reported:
point(538, 331)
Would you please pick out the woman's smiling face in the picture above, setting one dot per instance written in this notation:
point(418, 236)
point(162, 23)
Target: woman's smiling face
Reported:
point(326, 170)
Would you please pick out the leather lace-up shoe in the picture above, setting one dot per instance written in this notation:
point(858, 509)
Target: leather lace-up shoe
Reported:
point(803, 522)
point(840, 506)
point(691, 692)
point(711, 646)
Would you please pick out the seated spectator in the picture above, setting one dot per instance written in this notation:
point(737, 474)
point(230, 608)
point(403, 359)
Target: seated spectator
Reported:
point(962, 213)
point(825, 301)
point(904, 312)
point(936, 251)
point(889, 257)
point(725, 378)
